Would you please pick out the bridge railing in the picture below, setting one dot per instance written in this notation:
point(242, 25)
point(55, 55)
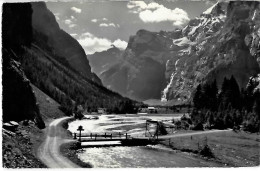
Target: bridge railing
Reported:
point(96, 136)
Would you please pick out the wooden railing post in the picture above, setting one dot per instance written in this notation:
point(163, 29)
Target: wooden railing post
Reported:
point(75, 135)
point(126, 136)
point(111, 135)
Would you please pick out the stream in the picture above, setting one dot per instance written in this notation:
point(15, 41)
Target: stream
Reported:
point(151, 156)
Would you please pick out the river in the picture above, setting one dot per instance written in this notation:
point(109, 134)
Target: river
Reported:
point(151, 156)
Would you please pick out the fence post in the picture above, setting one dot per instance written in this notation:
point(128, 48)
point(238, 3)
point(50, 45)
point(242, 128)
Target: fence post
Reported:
point(105, 135)
point(126, 136)
point(75, 135)
point(91, 135)
point(95, 137)
point(111, 135)
point(119, 135)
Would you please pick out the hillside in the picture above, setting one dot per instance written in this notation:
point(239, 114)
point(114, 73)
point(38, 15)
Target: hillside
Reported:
point(57, 65)
point(41, 81)
point(59, 43)
point(19, 102)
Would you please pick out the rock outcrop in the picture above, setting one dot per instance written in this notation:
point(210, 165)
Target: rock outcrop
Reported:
point(19, 101)
point(220, 50)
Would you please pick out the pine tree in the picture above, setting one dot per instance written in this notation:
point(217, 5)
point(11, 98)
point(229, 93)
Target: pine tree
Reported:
point(214, 95)
point(235, 93)
point(197, 100)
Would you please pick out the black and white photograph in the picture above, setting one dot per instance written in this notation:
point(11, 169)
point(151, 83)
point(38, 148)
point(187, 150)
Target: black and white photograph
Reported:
point(130, 84)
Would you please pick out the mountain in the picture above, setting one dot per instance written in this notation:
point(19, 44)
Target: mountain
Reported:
point(19, 102)
point(222, 41)
point(141, 72)
point(101, 61)
point(58, 42)
point(220, 53)
point(37, 52)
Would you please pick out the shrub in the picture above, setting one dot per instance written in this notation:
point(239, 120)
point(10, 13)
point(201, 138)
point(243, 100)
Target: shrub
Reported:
point(206, 152)
point(198, 126)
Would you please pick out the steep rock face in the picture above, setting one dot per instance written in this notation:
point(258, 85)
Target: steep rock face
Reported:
point(224, 49)
point(165, 49)
point(58, 42)
point(140, 73)
point(19, 101)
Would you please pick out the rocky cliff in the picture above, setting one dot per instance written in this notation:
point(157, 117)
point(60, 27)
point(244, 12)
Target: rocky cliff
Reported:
point(141, 71)
point(226, 48)
point(19, 101)
point(222, 41)
point(59, 43)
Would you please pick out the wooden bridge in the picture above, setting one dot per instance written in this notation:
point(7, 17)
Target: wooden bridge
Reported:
point(112, 139)
point(116, 139)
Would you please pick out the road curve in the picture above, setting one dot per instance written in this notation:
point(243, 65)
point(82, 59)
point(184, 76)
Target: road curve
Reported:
point(49, 151)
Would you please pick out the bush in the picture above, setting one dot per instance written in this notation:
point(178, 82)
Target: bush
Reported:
point(198, 126)
point(206, 152)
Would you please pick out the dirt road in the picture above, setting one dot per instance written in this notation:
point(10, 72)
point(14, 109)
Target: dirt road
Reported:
point(192, 133)
point(49, 151)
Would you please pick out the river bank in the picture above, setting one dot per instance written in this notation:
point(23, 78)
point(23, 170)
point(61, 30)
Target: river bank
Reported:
point(121, 157)
point(70, 149)
point(232, 149)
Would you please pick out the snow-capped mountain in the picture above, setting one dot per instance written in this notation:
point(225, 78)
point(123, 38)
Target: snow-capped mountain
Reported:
point(222, 41)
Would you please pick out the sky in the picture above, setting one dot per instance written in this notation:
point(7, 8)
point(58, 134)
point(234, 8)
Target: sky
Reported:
point(99, 24)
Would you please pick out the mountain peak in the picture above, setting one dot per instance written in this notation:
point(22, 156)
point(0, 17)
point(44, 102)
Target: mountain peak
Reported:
point(216, 10)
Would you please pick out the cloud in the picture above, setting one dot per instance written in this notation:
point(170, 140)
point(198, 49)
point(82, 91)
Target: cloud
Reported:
point(120, 44)
point(73, 34)
point(94, 20)
point(138, 6)
point(68, 21)
point(76, 10)
point(87, 34)
point(73, 18)
point(57, 16)
point(155, 13)
point(92, 44)
point(107, 25)
point(72, 25)
point(104, 19)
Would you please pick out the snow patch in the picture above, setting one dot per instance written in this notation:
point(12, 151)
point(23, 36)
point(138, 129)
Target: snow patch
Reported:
point(193, 30)
point(208, 11)
point(182, 41)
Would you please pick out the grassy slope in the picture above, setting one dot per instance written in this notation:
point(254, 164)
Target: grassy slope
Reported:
point(235, 149)
point(49, 108)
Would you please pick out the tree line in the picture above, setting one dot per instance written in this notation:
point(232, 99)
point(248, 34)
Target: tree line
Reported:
point(229, 107)
point(69, 88)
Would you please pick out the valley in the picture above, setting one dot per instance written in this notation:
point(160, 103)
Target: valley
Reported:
point(182, 77)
